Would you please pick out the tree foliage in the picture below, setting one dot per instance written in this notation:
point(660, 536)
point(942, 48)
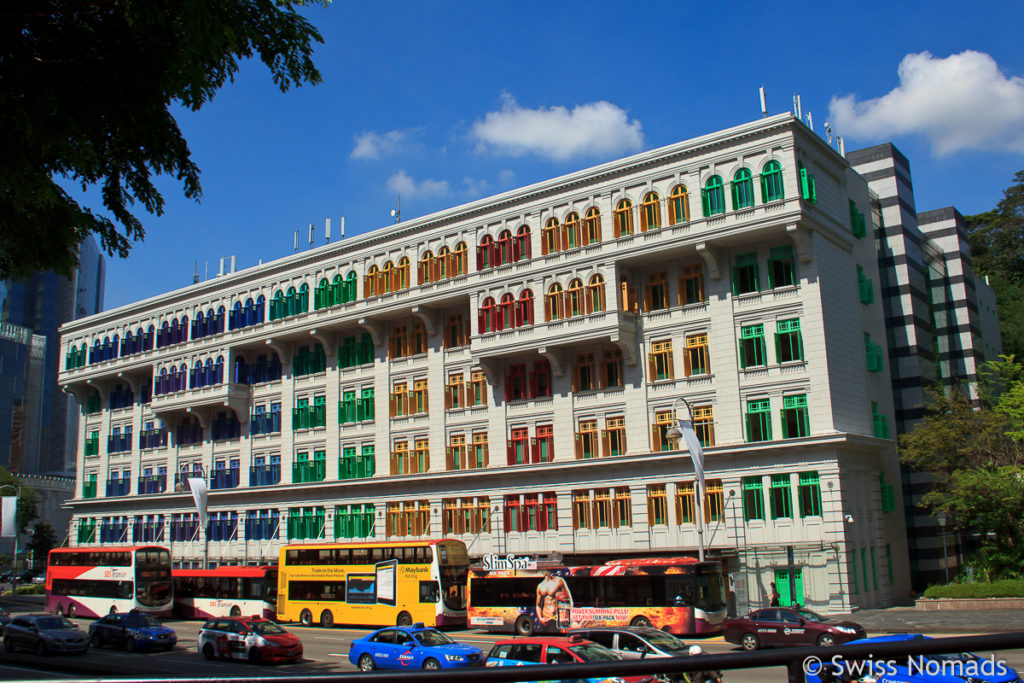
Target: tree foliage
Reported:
point(997, 250)
point(28, 498)
point(44, 539)
point(86, 88)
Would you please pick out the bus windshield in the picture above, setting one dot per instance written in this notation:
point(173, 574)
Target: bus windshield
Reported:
point(453, 586)
point(153, 576)
point(710, 590)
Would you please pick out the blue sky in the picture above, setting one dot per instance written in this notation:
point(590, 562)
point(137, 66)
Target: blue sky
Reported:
point(446, 102)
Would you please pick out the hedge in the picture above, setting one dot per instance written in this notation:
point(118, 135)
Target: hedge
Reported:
point(1004, 588)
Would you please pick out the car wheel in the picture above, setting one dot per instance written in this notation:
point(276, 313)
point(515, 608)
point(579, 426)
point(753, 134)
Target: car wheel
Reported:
point(129, 644)
point(826, 640)
point(72, 611)
point(95, 640)
point(641, 622)
point(306, 618)
point(404, 619)
point(431, 665)
point(524, 625)
point(254, 655)
point(59, 610)
point(113, 609)
point(366, 663)
point(208, 651)
point(748, 641)
point(41, 648)
point(327, 618)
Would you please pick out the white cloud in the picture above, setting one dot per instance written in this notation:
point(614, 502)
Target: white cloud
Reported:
point(507, 177)
point(960, 102)
point(594, 129)
point(475, 188)
point(403, 184)
point(372, 145)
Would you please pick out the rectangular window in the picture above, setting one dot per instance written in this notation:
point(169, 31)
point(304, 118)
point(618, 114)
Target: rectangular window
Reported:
point(519, 446)
point(581, 510)
point(422, 455)
point(623, 507)
point(781, 272)
point(657, 506)
point(744, 274)
point(418, 403)
point(480, 455)
point(656, 292)
point(696, 360)
point(685, 503)
point(704, 425)
point(365, 409)
point(515, 383)
point(545, 444)
point(781, 500)
point(456, 455)
point(602, 509)
point(477, 388)
point(586, 440)
point(615, 435)
point(753, 498)
point(880, 422)
point(752, 346)
point(549, 511)
point(663, 419)
point(400, 399)
point(347, 407)
point(691, 284)
point(659, 360)
point(455, 392)
point(611, 375)
point(865, 287)
point(795, 422)
point(809, 493)
point(400, 458)
point(789, 345)
point(759, 421)
point(874, 354)
point(584, 377)
point(714, 501)
point(888, 494)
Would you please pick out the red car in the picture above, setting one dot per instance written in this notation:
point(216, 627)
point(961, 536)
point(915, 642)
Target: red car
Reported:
point(555, 650)
point(782, 626)
point(253, 639)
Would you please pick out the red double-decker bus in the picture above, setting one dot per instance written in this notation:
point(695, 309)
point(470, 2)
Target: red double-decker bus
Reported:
point(91, 582)
point(226, 591)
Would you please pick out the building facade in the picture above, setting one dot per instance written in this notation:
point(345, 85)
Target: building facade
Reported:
point(506, 372)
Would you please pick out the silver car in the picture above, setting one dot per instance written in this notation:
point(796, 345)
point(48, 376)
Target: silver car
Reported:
point(44, 634)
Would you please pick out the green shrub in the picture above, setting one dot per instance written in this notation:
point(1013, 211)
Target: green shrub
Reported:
point(1004, 588)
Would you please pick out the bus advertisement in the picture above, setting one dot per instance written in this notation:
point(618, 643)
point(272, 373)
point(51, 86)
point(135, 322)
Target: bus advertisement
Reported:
point(91, 582)
point(679, 595)
point(225, 591)
point(373, 584)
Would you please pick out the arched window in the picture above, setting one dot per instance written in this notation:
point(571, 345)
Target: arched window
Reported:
point(337, 290)
point(183, 329)
point(442, 265)
point(129, 344)
point(551, 237)
point(461, 260)
point(402, 274)
point(524, 308)
point(250, 312)
point(650, 212)
point(219, 370)
point(426, 266)
point(277, 306)
point(241, 371)
point(678, 205)
point(291, 303)
point(485, 253)
point(208, 374)
point(554, 308)
point(574, 298)
point(220, 319)
point(140, 340)
point(322, 294)
point(350, 287)
point(713, 196)
point(623, 218)
point(236, 316)
point(771, 182)
point(261, 302)
point(595, 294)
point(506, 313)
point(195, 378)
point(504, 248)
point(487, 316)
point(303, 301)
point(592, 226)
point(523, 249)
point(571, 230)
point(370, 282)
point(742, 189)
point(150, 335)
point(388, 281)
point(161, 382)
point(198, 326)
point(161, 339)
point(115, 347)
point(173, 375)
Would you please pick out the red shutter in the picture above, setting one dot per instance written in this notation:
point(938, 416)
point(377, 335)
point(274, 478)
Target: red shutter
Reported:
point(508, 388)
point(480, 257)
point(534, 450)
point(481, 322)
point(511, 452)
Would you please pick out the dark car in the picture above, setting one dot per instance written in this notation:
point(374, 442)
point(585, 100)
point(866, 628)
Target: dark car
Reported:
point(253, 639)
point(44, 634)
point(412, 647)
point(783, 626)
point(5, 618)
point(132, 631)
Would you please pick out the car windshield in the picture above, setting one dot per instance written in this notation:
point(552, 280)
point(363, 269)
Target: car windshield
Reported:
point(592, 652)
point(432, 638)
point(810, 616)
point(53, 622)
point(665, 641)
point(266, 628)
point(140, 621)
point(954, 657)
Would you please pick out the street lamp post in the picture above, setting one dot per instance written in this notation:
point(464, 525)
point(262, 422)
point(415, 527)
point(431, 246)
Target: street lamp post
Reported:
point(941, 517)
point(682, 431)
point(17, 495)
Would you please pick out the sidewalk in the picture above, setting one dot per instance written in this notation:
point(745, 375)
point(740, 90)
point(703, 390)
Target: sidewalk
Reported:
point(910, 620)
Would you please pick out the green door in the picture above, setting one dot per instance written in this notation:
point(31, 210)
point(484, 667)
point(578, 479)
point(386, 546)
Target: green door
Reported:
point(782, 585)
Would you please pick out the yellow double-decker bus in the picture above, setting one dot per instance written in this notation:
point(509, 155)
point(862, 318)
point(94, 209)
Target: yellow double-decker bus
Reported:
point(373, 584)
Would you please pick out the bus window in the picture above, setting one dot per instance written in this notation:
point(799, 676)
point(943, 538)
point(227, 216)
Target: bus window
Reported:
point(429, 592)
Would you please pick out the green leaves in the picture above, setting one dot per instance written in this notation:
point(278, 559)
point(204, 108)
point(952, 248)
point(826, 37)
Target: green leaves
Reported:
point(85, 92)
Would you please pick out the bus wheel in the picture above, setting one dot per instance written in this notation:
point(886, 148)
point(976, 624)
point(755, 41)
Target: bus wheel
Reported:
point(366, 663)
point(404, 619)
point(524, 625)
point(641, 622)
point(326, 619)
point(306, 618)
point(235, 611)
point(749, 641)
point(113, 609)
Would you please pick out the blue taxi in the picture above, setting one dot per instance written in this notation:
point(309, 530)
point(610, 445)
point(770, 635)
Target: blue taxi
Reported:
point(412, 647)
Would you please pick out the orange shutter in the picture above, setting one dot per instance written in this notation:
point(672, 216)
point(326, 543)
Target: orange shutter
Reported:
point(606, 448)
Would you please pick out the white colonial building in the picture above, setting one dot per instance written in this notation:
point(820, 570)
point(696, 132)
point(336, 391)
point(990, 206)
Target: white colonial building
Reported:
point(506, 371)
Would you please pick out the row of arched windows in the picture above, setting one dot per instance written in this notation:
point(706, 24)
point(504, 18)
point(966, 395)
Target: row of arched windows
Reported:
point(390, 278)
point(574, 300)
point(506, 313)
point(171, 380)
point(742, 189)
point(446, 264)
point(491, 253)
point(285, 305)
point(206, 374)
point(335, 293)
point(245, 316)
point(212, 322)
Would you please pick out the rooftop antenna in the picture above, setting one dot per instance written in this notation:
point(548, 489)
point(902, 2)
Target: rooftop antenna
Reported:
point(796, 107)
point(828, 133)
point(397, 213)
point(810, 121)
point(842, 145)
point(206, 271)
point(195, 276)
point(342, 228)
point(310, 235)
point(327, 230)
point(296, 241)
point(764, 105)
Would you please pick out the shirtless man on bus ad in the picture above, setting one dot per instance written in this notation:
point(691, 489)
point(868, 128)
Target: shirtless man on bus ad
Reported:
point(554, 602)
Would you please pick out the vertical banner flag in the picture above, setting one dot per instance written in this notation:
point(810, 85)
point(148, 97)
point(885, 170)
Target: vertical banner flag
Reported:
point(8, 516)
point(198, 487)
point(696, 452)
